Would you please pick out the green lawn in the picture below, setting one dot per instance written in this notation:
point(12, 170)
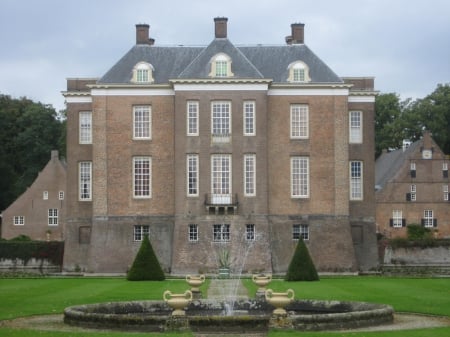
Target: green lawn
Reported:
point(25, 297)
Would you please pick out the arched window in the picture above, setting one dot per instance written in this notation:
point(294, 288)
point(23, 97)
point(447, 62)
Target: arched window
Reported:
point(298, 72)
point(143, 73)
point(221, 66)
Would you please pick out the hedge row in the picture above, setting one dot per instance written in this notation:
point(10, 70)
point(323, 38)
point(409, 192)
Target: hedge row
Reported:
point(52, 251)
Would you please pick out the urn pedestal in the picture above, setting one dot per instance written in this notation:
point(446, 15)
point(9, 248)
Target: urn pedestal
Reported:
point(279, 300)
point(177, 301)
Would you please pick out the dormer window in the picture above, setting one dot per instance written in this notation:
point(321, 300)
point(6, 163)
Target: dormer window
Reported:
point(298, 72)
point(143, 73)
point(221, 66)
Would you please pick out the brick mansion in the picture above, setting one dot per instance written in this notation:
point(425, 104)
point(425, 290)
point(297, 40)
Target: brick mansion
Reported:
point(244, 148)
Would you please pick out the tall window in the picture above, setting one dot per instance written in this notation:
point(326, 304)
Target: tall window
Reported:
point(300, 231)
point(397, 218)
point(142, 167)
point(193, 233)
point(249, 118)
point(299, 121)
point(221, 179)
point(61, 195)
point(299, 177)
point(53, 217)
point(356, 180)
point(249, 174)
point(445, 191)
point(85, 127)
point(355, 132)
point(192, 174)
point(192, 118)
point(85, 180)
point(428, 218)
point(19, 220)
point(445, 170)
point(413, 189)
point(221, 233)
point(140, 231)
point(250, 232)
point(221, 121)
point(142, 122)
point(45, 195)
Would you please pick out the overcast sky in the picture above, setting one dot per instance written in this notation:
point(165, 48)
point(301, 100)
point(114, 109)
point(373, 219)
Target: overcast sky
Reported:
point(404, 44)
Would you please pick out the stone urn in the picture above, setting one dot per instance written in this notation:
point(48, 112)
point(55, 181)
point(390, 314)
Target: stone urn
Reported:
point(195, 281)
point(279, 300)
point(262, 280)
point(177, 301)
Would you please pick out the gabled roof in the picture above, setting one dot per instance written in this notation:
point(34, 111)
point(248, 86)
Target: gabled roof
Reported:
point(250, 62)
point(201, 66)
point(389, 164)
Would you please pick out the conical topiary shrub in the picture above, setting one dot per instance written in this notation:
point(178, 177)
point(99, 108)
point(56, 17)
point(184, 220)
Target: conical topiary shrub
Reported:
point(301, 267)
point(146, 266)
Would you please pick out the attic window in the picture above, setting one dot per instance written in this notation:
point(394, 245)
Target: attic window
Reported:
point(298, 72)
point(143, 73)
point(221, 66)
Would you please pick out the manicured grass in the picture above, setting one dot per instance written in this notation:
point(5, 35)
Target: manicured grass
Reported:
point(24, 297)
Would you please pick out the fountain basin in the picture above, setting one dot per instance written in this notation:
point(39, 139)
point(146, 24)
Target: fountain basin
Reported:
point(208, 316)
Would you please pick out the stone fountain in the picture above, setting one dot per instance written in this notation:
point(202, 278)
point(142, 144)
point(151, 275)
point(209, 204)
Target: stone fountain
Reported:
point(277, 310)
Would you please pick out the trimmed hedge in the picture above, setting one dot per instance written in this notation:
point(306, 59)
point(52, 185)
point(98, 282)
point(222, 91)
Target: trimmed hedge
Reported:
point(52, 251)
point(146, 266)
point(302, 266)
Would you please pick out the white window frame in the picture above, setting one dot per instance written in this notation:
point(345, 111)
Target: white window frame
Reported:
point(221, 121)
point(250, 232)
point(143, 73)
point(249, 175)
point(221, 66)
point(413, 189)
point(444, 166)
point(192, 174)
point(221, 179)
point(249, 118)
point(53, 217)
point(45, 195)
point(445, 192)
point(19, 220)
point(299, 125)
point(85, 181)
point(85, 127)
point(192, 111)
point(356, 174)
point(193, 233)
point(142, 122)
point(142, 177)
point(355, 121)
point(298, 72)
point(299, 177)
point(221, 233)
point(428, 218)
point(397, 218)
point(300, 231)
point(139, 231)
point(61, 195)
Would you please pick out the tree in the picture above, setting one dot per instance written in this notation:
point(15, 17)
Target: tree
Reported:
point(29, 132)
point(302, 266)
point(387, 127)
point(146, 266)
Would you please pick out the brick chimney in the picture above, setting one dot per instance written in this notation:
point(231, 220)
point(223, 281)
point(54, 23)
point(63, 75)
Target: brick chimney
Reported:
point(220, 25)
point(298, 34)
point(142, 34)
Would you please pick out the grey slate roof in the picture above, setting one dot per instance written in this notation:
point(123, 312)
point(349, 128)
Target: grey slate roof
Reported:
point(388, 165)
point(253, 62)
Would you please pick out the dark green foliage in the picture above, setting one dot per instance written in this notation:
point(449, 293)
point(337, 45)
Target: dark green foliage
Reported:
point(23, 249)
point(417, 232)
point(29, 132)
point(146, 266)
point(301, 267)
